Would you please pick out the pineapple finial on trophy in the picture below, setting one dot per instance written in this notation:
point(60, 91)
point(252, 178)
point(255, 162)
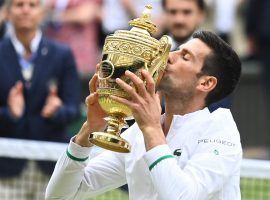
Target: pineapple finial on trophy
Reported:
point(144, 21)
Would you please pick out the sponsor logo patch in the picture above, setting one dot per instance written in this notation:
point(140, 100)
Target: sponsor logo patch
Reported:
point(217, 141)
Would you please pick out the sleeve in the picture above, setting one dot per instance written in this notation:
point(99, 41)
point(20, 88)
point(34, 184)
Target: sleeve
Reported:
point(69, 92)
point(209, 167)
point(75, 178)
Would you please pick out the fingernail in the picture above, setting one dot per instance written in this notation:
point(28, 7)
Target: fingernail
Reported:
point(128, 72)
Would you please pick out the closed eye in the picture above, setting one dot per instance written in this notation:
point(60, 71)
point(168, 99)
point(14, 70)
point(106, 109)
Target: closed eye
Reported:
point(186, 57)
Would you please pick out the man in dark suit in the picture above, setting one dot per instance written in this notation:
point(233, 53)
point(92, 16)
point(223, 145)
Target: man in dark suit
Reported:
point(258, 33)
point(183, 18)
point(39, 94)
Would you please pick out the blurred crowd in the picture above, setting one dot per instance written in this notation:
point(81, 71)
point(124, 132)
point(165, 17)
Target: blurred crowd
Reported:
point(49, 47)
point(84, 24)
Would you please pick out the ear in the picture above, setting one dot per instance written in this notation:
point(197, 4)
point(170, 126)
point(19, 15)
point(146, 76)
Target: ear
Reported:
point(207, 83)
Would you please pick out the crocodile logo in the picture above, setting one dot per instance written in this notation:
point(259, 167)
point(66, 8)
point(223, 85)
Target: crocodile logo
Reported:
point(177, 152)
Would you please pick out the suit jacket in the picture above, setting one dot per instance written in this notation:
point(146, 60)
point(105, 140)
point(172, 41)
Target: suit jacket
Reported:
point(258, 20)
point(53, 62)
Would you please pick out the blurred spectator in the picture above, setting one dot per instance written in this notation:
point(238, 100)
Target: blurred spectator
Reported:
point(224, 18)
point(39, 97)
point(117, 13)
point(2, 19)
point(182, 18)
point(75, 22)
point(258, 32)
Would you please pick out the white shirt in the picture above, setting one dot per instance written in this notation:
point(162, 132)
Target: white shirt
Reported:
point(19, 48)
point(206, 164)
point(26, 65)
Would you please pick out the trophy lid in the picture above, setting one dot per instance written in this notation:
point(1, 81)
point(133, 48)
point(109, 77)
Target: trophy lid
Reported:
point(144, 22)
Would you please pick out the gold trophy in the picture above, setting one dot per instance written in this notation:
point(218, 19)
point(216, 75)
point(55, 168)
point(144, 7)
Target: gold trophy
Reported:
point(132, 50)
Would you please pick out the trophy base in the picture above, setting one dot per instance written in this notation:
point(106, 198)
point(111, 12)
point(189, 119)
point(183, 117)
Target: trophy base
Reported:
point(110, 142)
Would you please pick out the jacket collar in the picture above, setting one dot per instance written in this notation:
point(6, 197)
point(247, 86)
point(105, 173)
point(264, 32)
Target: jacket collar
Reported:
point(19, 48)
point(179, 119)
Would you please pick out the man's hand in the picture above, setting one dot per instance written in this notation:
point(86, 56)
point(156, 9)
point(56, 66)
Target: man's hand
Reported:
point(15, 100)
point(53, 103)
point(145, 106)
point(95, 115)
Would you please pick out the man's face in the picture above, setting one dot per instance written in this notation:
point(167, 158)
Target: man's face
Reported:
point(184, 65)
point(182, 18)
point(25, 15)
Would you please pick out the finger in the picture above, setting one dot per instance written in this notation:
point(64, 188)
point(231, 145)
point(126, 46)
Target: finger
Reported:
point(18, 87)
point(159, 95)
point(137, 82)
point(97, 67)
point(87, 100)
point(44, 111)
point(127, 88)
point(93, 83)
point(150, 84)
point(53, 90)
point(122, 100)
point(49, 111)
point(46, 114)
point(160, 76)
point(12, 91)
point(91, 99)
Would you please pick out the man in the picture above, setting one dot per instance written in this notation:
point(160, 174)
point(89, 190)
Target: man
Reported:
point(188, 153)
point(39, 97)
point(182, 18)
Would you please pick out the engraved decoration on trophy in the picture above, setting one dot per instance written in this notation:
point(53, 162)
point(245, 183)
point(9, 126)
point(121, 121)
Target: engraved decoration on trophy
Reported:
point(132, 50)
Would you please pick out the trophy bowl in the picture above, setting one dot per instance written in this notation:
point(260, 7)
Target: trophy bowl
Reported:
point(132, 50)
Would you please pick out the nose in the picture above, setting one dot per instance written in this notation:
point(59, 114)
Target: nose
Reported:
point(180, 18)
point(26, 8)
point(171, 58)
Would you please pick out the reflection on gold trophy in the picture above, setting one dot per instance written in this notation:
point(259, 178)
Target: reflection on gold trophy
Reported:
point(126, 50)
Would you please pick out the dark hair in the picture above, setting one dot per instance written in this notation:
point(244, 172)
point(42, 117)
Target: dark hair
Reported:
point(222, 62)
point(200, 3)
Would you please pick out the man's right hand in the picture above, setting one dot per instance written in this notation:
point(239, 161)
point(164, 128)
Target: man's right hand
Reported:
point(95, 115)
point(15, 100)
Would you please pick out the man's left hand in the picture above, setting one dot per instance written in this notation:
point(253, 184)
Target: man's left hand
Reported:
point(53, 103)
point(145, 106)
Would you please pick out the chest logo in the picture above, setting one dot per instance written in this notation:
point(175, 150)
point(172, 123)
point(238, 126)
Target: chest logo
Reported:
point(177, 152)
